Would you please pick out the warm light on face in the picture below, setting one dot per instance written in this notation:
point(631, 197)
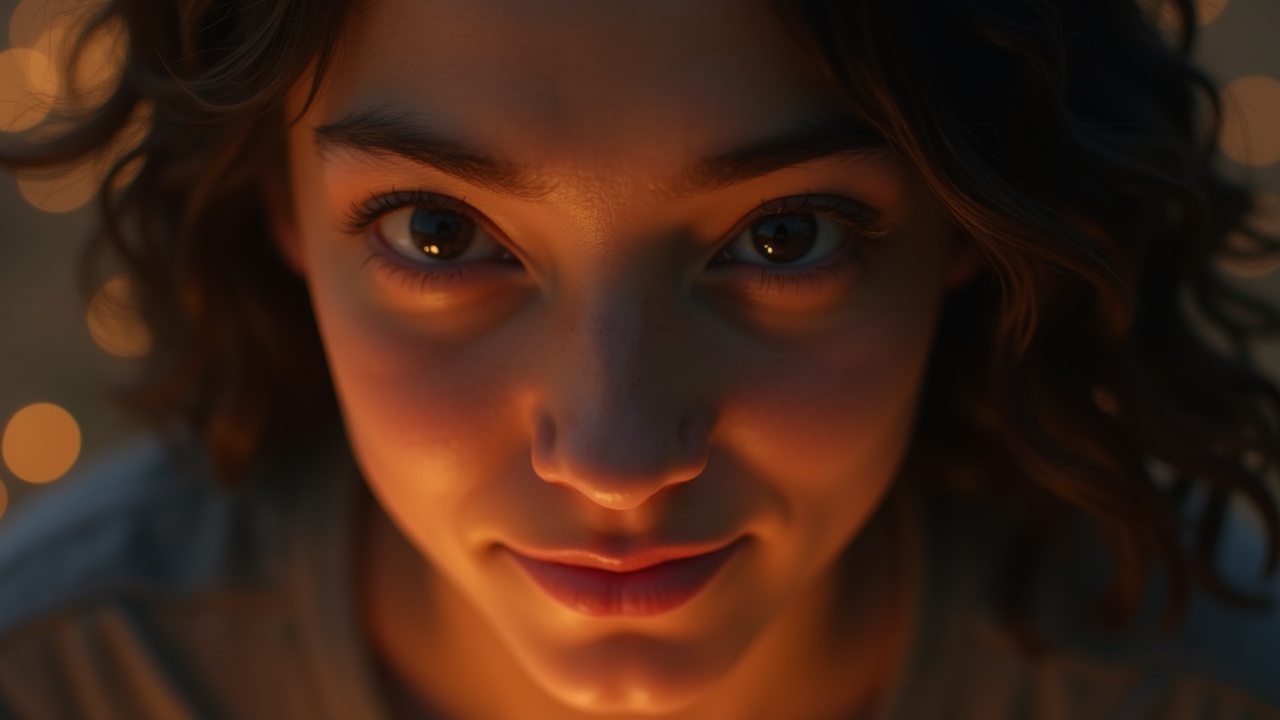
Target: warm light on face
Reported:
point(41, 443)
point(566, 305)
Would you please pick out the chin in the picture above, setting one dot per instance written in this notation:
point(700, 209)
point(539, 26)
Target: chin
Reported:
point(629, 674)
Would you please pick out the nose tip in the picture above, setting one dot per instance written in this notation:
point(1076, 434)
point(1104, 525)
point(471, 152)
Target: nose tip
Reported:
point(619, 470)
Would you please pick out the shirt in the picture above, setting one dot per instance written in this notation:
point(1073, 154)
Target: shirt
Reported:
point(139, 588)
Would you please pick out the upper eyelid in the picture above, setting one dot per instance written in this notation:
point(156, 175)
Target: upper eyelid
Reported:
point(362, 215)
point(868, 225)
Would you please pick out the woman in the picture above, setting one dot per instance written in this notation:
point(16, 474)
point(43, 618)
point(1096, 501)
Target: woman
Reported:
point(708, 359)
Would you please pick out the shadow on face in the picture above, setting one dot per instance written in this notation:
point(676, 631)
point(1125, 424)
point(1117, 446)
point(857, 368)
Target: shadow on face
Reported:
point(603, 280)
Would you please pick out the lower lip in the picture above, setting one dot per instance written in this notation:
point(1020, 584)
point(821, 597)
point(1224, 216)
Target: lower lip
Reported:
point(641, 593)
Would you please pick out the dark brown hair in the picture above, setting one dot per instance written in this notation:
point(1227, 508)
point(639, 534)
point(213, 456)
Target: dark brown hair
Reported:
point(1069, 140)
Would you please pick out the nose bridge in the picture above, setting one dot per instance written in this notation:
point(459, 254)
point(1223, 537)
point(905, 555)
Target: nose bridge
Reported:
point(618, 338)
point(617, 424)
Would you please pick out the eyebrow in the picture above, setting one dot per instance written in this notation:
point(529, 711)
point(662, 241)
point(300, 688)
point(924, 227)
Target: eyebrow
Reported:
point(384, 133)
point(821, 136)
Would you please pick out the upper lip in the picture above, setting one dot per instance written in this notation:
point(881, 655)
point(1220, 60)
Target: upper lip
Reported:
point(609, 556)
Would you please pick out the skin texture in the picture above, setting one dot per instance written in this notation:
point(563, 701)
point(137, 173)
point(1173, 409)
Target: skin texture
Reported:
point(616, 377)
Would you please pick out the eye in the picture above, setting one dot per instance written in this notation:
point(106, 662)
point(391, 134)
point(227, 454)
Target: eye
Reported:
point(438, 236)
point(788, 239)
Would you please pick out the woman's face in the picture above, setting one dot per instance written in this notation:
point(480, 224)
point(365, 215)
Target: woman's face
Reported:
point(596, 278)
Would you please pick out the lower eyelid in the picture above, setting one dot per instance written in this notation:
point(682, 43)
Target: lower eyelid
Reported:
point(767, 281)
point(411, 278)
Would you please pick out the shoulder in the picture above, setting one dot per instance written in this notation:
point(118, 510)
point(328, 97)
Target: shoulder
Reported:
point(1221, 652)
point(147, 519)
point(1239, 647)
point(1220, 662)
point(996, 681)
point(138, 587)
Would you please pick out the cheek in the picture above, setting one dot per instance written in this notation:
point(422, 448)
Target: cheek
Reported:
point(824, 430)
point(426, 419)
point(411, 411)
point(840, 408)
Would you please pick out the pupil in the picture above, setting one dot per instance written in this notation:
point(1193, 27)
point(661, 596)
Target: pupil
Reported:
point(785, 238)
point(441, 235)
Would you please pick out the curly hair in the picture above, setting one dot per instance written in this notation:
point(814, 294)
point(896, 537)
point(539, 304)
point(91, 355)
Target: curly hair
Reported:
point(1070, 140)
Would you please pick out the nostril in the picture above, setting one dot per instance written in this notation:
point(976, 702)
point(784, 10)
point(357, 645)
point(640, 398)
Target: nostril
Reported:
point(618, 464)
point(544, 449)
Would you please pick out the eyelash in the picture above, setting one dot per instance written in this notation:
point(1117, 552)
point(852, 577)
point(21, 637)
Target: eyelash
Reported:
point(360, 216)
point(857, 219)
point(852, 215)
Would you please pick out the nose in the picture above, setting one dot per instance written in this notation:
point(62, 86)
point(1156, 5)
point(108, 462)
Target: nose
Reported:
point(619, 423)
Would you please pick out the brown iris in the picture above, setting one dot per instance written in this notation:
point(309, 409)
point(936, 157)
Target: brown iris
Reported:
point(440, 234)
point(785, 238)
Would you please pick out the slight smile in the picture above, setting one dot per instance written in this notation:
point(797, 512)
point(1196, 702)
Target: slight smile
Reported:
point(660, 579)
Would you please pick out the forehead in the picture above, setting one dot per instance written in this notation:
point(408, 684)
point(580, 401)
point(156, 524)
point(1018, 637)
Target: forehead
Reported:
point(568, 82)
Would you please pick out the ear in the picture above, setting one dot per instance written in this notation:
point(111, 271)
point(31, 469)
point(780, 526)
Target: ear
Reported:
point(963, 261)
point(277, 201)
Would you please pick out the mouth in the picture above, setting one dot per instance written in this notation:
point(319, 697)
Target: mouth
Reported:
point(584, 584)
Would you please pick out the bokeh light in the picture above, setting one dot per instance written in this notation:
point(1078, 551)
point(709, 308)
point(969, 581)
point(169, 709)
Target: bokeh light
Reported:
point(97, 68)
point(67, 188)
point(1166, 15)
point(1265, 220)
point(60, 190)
point(51, 28)
point(1209, 10)
point(28, 85)
point(113, 320)
point(44, 34)
point(32, 17)
point(1251, 120)
point(41, 443)
point(4, 499)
